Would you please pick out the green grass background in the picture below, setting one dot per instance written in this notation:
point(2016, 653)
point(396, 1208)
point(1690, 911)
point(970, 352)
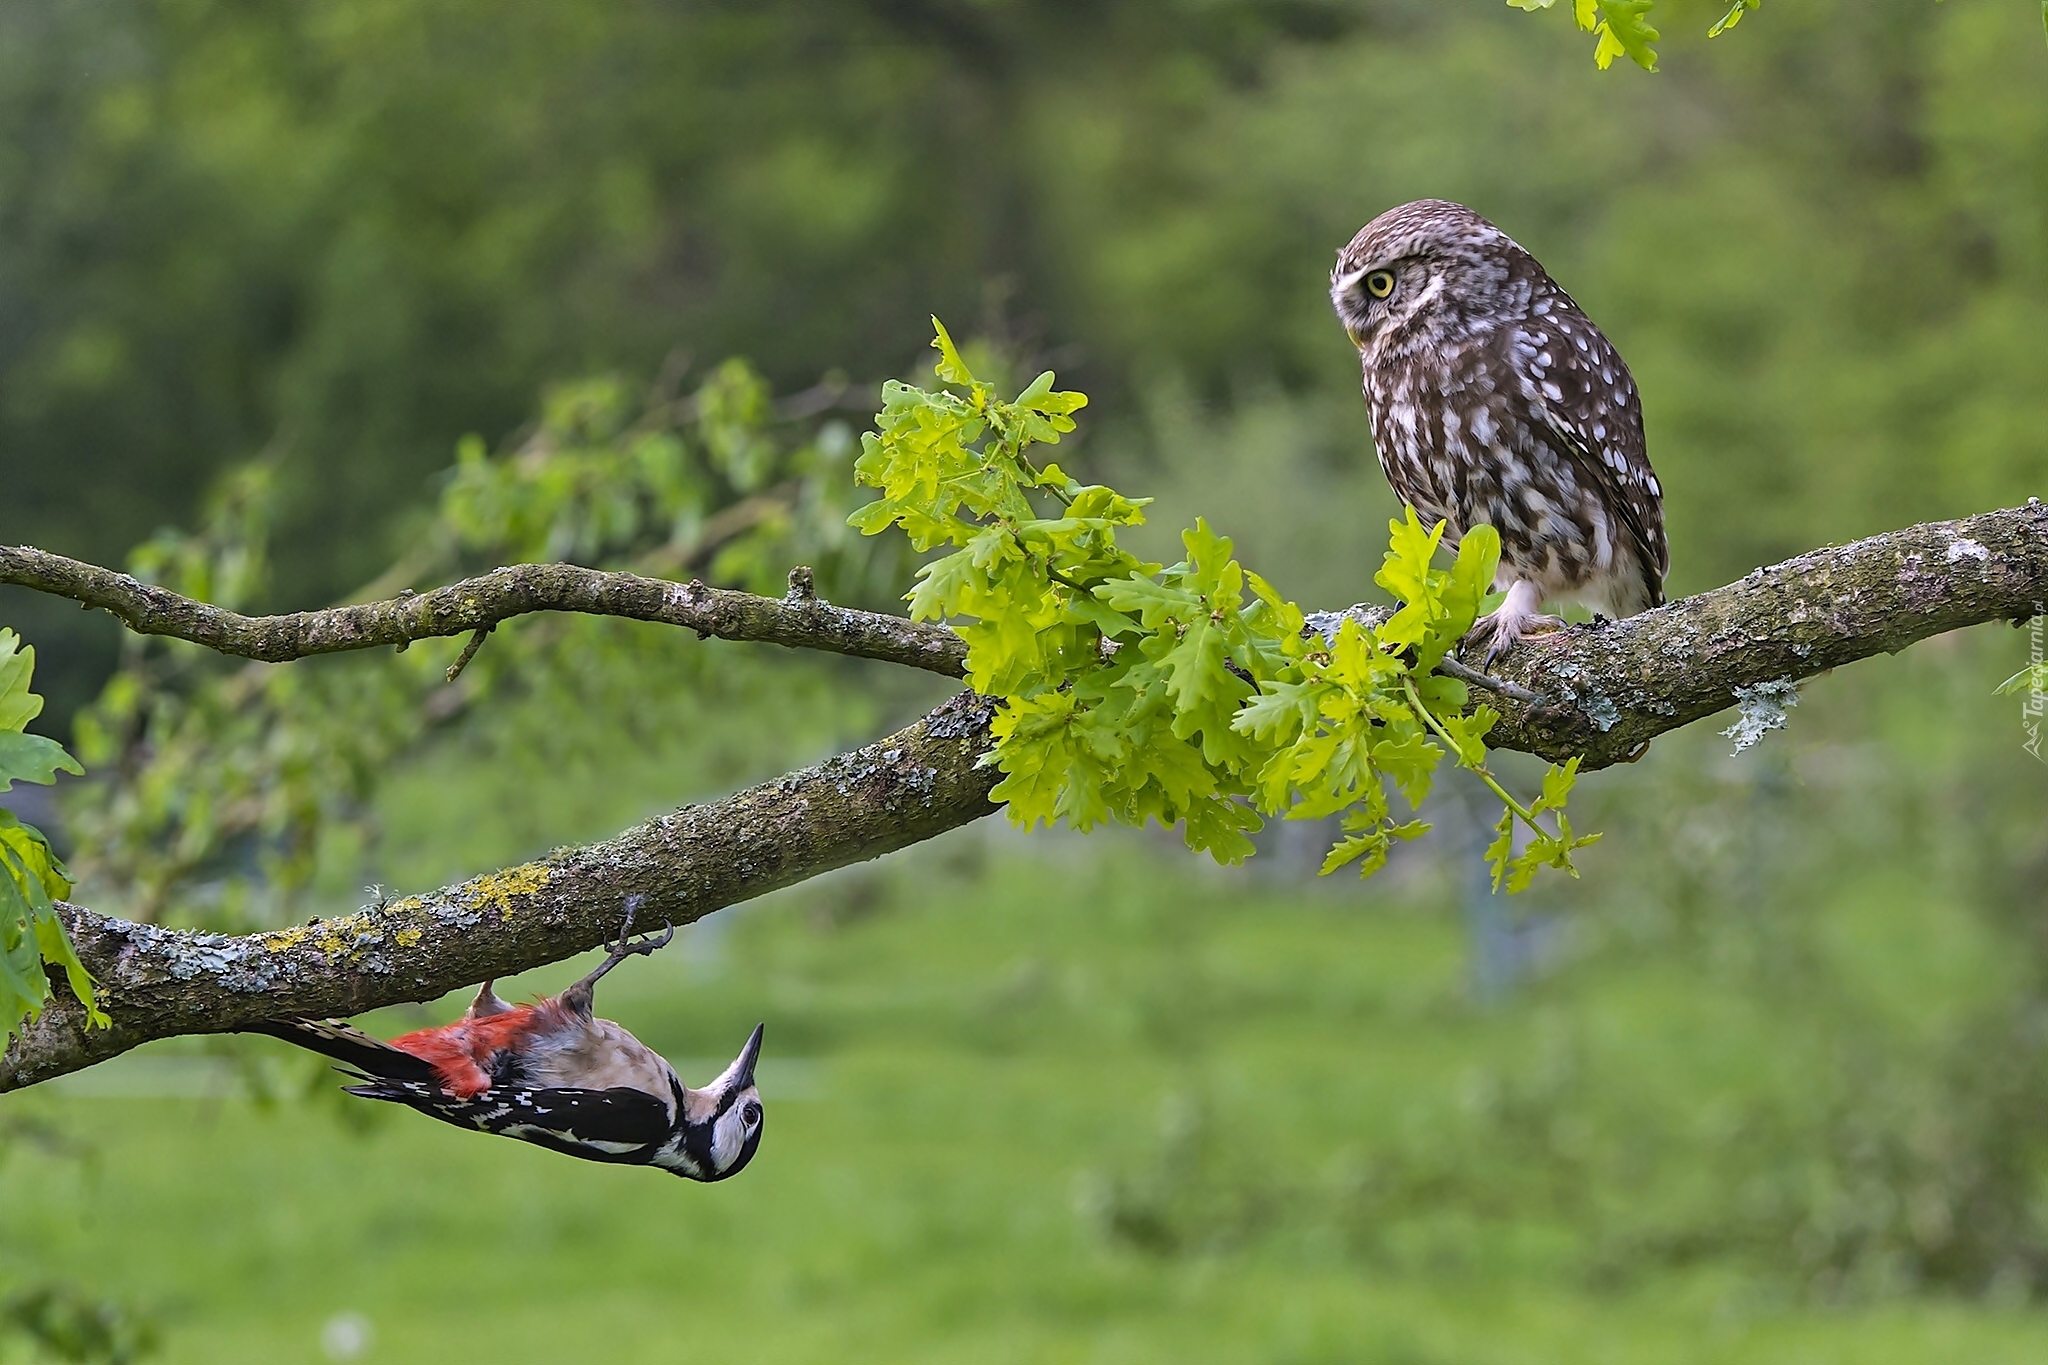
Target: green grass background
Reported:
point(1047, 1099)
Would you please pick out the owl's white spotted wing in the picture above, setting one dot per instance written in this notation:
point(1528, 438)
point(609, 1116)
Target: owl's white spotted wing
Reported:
point(1588, 399)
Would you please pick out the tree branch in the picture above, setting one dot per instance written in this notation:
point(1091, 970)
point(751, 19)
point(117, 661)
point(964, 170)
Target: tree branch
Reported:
point(161, 983)
point(482, 602)
point(1608, 691)
point(1614, 688)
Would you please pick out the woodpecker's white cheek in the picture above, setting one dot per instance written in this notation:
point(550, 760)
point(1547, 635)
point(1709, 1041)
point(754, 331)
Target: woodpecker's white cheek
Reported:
point(731, 1133)
point(728, 1138)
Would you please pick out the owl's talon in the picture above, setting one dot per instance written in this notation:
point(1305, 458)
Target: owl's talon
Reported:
point(1538, 628)
point(1514, 620)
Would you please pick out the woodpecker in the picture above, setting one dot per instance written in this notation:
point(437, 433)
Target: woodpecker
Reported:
point(553, 1074)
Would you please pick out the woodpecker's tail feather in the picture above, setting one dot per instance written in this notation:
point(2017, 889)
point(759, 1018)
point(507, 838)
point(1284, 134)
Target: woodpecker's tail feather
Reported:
point(348, 1044)
point(426, 1096)
point(421, 1095)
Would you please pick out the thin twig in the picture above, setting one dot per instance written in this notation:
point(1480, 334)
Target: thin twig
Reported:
point(1450, 741)
point(476, 642)
point(1465, 673)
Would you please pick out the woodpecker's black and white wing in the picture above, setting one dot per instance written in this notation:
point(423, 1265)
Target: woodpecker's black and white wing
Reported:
point(1585, 395)
point(620, 1124)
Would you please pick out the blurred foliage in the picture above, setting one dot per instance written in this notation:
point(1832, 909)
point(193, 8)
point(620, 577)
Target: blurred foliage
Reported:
point(351, 232)
point(55, 1320)
point(63, 1323)
point(219, 782)
point(345, 234)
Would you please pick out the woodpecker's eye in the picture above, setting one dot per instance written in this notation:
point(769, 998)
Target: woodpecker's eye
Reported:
point(750, 1114)
point(1380, 283)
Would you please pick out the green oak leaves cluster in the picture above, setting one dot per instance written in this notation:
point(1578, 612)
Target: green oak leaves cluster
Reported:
point(31, 877)
point(1191, 693)
point(1621, 28)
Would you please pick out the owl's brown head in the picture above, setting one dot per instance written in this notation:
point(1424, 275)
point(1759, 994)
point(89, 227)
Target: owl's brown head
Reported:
point(1424, 274)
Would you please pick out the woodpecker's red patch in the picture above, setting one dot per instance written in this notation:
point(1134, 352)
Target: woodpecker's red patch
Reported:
point(461, 1053)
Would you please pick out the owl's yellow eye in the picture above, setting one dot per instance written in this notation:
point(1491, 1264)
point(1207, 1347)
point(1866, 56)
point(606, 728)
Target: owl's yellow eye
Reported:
point(1380, 283)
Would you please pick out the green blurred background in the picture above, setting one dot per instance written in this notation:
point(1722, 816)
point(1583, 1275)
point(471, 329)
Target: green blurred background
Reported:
point(1769, 1084)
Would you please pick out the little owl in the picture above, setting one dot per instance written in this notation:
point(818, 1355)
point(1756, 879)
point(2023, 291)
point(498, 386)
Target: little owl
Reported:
point(1495, 400)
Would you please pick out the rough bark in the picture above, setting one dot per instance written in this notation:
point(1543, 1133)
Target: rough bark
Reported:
point(1607, 691)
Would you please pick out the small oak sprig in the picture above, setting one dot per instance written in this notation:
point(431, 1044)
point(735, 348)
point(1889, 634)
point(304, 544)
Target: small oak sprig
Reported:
point(32, 878)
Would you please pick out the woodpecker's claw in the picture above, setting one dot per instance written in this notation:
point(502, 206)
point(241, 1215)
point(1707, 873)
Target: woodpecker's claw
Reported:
point(579, 995)
point(650, 944)
point(624, 949)
point(486, 1003)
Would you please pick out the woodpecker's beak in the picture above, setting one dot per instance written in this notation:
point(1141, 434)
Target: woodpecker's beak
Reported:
point(740, 1074)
